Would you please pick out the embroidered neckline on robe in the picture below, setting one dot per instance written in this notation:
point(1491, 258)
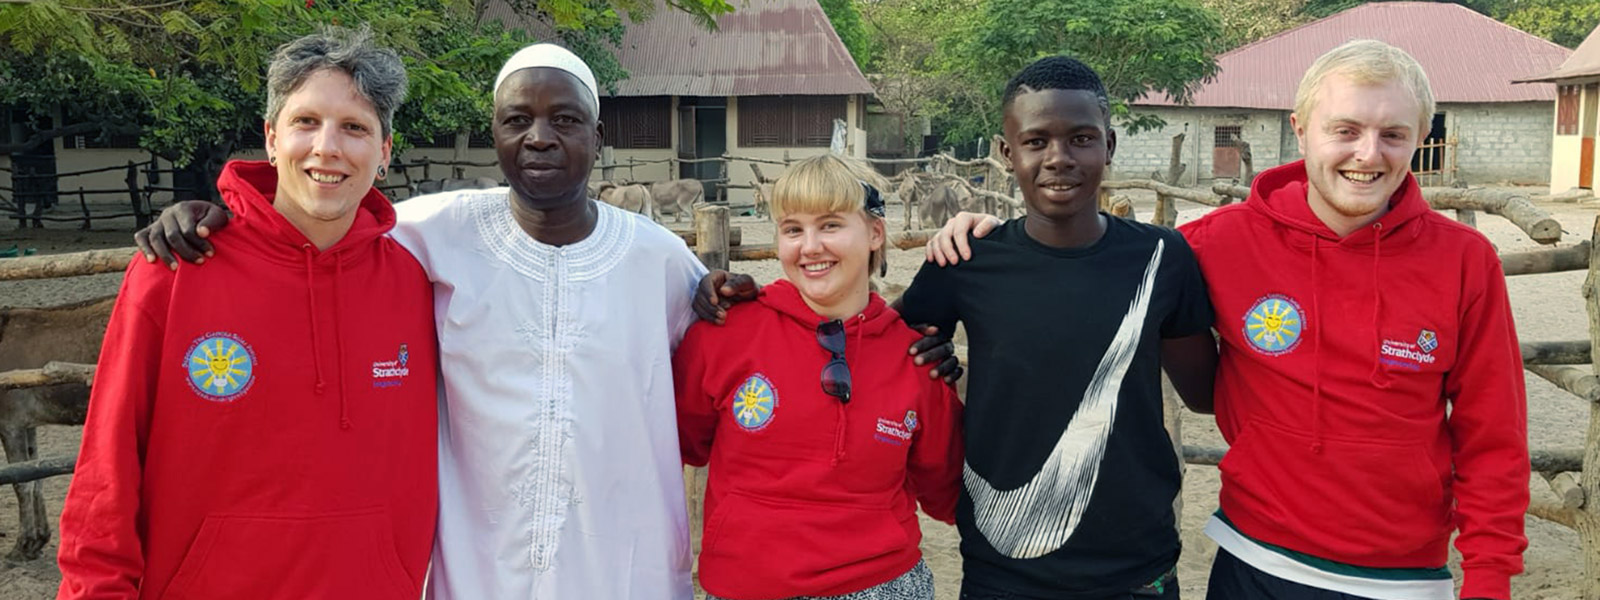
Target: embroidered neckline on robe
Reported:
point(587, 259)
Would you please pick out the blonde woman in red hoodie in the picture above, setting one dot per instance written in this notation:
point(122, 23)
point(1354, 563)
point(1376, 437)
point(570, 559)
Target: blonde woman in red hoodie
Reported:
point(265, 427)
point(821, 434)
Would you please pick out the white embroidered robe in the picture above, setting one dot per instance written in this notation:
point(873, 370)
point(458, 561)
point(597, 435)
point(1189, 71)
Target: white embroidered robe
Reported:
point(559, 472)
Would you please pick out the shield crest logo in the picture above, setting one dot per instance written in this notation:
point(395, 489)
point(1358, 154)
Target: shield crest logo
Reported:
point(1427, 340)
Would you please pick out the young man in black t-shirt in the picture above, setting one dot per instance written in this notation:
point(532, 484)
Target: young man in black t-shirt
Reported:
point(1070, 313)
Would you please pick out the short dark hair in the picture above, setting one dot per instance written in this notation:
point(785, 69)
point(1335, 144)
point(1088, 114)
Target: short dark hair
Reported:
point(1057, 73)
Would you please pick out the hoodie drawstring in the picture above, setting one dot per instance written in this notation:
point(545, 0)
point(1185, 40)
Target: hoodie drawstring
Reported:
point(316, 338)
point(1316, 350)
point(1378, 378)
point(338, 341)
point(844, 419)
point(311, 311)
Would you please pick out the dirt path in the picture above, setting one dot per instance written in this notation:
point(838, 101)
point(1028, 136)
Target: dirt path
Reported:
point(1547, 307)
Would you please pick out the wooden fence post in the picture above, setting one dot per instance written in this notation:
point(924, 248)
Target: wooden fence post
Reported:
point(1172, 417)
point(1588, 521)
point(608, 163)
point(83, 204)
point(711, 236)
point(722, 187)
point(22, 174)
point(1166, 213)
point(1468, 217)
point(141, 216)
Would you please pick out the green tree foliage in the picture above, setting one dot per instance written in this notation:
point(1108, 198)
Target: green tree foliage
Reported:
point(905, 68)
point(1245, 21)
point(187, 75)
point(847, 23)
point(1137, 46)
point(1565, 22)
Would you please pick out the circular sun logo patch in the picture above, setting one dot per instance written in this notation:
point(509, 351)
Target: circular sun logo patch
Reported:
point(221, 366)
point(1273, 325)
point(754, 403)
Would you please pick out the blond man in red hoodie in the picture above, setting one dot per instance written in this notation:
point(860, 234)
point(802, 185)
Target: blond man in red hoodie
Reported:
point(1369, 381)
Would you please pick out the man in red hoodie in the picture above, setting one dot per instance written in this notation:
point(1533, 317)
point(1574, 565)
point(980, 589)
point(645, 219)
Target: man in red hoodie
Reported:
point(264, 428)
point(1369, 380)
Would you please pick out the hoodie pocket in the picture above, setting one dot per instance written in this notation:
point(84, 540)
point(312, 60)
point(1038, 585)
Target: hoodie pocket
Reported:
point(1360, 501)
point(754, 543)
point(346, 555)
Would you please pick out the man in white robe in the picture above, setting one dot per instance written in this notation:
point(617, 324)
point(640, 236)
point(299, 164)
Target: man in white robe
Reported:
point(559, 475)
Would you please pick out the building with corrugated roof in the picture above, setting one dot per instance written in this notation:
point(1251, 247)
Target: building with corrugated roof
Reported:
point(1572, 155)
point(1486, 129)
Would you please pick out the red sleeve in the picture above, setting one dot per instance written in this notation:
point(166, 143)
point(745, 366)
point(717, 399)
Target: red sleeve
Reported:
point(1489, 437)
point(102, 555)
point(937, 452)
point(697, 410)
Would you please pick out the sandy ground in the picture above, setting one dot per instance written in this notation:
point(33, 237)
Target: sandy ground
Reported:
point(1547, 307)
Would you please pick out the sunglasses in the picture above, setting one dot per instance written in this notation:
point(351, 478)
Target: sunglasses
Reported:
point(836, 374)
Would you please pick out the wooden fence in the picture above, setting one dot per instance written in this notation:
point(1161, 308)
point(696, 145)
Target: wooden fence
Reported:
point(135, 194)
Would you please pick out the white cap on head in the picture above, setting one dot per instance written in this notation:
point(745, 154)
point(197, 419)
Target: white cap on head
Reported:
point(554, 57)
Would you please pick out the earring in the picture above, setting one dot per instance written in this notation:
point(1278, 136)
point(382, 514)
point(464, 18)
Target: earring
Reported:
point(383, 172)
point(272, 160)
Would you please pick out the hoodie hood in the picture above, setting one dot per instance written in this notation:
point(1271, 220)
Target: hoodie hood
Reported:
point(248, 187)
point(1280, 194)
point(784, 298)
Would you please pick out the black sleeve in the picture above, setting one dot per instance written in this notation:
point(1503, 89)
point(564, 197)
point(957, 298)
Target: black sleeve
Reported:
point(931, 299)
point(1192, 314)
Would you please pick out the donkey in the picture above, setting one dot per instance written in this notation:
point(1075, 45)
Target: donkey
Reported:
point(29, 338)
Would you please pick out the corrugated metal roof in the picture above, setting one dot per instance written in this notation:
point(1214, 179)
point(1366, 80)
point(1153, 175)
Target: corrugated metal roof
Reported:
point(1469, 57)
point(765, 47)
point(1584, 62)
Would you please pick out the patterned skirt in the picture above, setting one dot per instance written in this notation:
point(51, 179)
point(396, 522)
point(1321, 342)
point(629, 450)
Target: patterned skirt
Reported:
point(916, 584)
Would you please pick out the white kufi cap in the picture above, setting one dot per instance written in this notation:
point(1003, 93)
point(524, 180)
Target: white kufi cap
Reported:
point(552, 56)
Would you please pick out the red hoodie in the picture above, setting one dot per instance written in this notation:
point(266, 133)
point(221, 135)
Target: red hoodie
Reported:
point(307, 468)
point(809, 496)
point(1370, 445)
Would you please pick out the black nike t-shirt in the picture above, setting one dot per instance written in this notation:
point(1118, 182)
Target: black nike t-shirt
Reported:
point(1070, 475)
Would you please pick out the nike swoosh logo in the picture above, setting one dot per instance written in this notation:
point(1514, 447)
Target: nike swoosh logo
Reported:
point(1039, 517)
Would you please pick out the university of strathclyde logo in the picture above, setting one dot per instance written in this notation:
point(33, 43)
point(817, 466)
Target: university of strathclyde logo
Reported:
point(1273, 324)
point(1428, 341)
point(754, 403)
point(911, 420)
point(391, 373)
point(221, 366)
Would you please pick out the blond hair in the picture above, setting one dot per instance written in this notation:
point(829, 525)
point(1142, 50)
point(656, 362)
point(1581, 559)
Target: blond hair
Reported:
point(1368, 62)
point(828, 183)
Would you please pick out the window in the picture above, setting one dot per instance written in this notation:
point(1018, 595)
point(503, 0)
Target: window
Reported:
point(1228, 136)
point(637, 123)
point(1567, 97)
point(788, 121)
